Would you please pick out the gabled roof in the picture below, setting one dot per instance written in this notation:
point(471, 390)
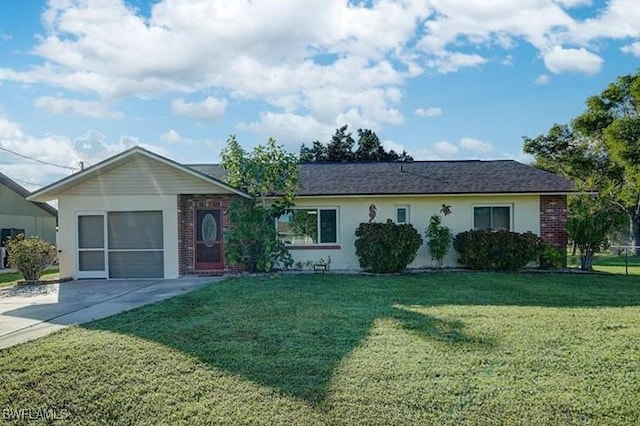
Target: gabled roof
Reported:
point(52, 191)
point(420, 177)
point(24, 193)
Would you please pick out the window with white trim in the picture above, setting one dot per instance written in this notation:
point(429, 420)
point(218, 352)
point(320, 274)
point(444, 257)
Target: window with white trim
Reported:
point(402, 213)
point(308, 226)
point(495, 218)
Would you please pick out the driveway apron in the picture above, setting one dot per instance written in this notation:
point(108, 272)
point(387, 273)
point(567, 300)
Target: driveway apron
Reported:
point(29, 312)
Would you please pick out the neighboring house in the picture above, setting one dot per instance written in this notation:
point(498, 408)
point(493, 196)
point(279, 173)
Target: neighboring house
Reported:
point(139, 215)
point(17, 214)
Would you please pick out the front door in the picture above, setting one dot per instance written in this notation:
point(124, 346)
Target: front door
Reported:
point(208, 240)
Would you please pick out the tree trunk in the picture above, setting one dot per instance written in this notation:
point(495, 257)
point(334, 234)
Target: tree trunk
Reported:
point(586, 259)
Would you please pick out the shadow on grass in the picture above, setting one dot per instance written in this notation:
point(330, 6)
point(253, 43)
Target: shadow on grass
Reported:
point(291, 332)
point(290, 337)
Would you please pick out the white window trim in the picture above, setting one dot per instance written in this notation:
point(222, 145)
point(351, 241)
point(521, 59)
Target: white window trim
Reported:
point(336, 208)
point(407, 207)
point(511, 213)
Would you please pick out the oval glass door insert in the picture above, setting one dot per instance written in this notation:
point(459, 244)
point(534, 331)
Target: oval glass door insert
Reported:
point(209, 230)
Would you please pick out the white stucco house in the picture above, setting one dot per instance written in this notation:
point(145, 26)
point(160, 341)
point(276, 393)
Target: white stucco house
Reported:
point(141, 215)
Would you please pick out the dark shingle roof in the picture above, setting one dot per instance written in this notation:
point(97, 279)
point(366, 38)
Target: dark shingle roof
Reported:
point(419, 177)
point(23, 192)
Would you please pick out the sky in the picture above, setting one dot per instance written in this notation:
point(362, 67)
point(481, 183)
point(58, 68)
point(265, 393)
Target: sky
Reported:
point(81, 80)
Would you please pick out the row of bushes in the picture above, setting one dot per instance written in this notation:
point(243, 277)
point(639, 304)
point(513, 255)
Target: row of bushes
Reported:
point(389, 247)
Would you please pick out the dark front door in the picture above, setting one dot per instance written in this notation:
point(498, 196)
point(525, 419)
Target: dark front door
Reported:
point(208, 240)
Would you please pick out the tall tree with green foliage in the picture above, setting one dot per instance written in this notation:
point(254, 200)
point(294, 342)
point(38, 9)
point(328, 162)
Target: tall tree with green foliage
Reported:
point(601, 148)
point(270, 175)
point(340, 149)
point(590, 221)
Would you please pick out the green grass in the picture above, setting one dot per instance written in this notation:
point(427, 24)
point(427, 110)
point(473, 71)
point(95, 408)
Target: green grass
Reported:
point(441, 348)
point(616, 264)
point(8, 279)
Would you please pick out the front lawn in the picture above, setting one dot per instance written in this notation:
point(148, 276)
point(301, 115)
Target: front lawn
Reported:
point(616, 264)
point(440, 348)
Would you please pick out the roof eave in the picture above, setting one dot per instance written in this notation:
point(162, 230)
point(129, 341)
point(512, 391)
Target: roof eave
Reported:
point(436, 194)
point(52, 191)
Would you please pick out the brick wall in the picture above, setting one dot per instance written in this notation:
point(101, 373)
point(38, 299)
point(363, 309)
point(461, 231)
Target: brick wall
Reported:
point(187, 206)
point(553, 220)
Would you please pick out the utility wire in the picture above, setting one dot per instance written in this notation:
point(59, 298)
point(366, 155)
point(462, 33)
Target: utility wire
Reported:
point(39, 161)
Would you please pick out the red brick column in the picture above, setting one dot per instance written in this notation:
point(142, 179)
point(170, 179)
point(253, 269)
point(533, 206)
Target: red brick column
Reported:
point(553, 220)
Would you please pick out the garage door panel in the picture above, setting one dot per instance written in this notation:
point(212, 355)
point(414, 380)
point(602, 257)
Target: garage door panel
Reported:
point(136, 264)
point(91, 260)
point(135, 230)
point(135, 241)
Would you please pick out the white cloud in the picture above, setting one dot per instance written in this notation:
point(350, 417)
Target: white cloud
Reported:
point(475, 145)
point(89, 149)
point(542, 80)
point(445, 149)
point(559, 60)
point(507, 61)
point(632, 49)
point(365, 50)
point(449, 62)
point(171, 136)
point(289, 129)
point(50, 148)
point(391, 145)
point(428, 112)
point(209, 109)
point(59, 106)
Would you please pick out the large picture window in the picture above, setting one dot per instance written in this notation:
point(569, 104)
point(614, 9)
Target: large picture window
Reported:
point(308, 227)
point(496, 218)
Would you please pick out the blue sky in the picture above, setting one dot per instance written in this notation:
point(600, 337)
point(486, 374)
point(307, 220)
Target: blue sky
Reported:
point(444, 79)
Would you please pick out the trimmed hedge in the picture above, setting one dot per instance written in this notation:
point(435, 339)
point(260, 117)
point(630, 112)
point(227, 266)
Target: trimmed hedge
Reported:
point(496, 250)
point(386, 247)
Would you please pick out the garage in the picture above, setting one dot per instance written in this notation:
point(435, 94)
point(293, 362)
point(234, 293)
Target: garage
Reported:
point(122, 244)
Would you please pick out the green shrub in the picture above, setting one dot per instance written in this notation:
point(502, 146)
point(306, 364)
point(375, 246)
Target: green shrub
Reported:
point(30, 256)
point(440, 238)
point(552, 257)
point(386, 247)
point(496, 250)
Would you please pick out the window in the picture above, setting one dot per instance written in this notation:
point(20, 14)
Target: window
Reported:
point(308, 227)
point(402, 214)
point(492, 217)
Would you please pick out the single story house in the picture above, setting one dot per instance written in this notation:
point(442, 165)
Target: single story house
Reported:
point(18, 215)
point(141, 215)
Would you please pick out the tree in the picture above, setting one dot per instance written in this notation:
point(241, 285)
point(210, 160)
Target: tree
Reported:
point(30, 256)
point(590, 221)
point(268, 170)
point(439, 238)
point(340, 149)
point(265, 173)
point(601, 148)
point(341, 146)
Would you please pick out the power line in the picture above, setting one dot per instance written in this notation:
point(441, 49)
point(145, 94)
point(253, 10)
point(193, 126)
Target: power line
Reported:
point(26, 157)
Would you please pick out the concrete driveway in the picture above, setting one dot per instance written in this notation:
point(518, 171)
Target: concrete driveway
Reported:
point(29, 312)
